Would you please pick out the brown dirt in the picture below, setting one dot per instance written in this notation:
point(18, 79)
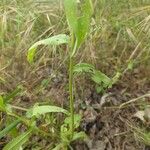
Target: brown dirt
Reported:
point(107, 126)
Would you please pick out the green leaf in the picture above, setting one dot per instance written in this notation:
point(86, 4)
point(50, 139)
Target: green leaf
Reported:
point(79, 24)
point(79, 135)
point(71, 14)
point(55, 40)
point(17, 142)
point(65, 134)
point(99, 89)
point(84, 21)
point(40, 110)
point(100, 77)
point(77, 120)
point(9, 128)
point(2, 105)
point(83, 67)
point(13, 94)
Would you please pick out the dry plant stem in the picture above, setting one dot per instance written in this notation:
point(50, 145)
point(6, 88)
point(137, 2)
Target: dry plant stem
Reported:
point(19, 108)
point(134, 100)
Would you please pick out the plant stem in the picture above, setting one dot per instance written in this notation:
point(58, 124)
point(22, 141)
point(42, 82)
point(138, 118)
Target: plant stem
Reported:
point(71, 94)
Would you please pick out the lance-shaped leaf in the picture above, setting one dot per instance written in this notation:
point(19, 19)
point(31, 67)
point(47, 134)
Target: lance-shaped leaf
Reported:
point(40, 110)
point(13, 94)
point(55, 40)
point(71, 14)
point(84, 21)
point(17, 142)
point(2, 104)
point(9, 128)
point(79, 19)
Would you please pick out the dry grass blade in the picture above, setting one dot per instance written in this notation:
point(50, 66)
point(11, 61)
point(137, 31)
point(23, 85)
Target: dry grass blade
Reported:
point(135, 100)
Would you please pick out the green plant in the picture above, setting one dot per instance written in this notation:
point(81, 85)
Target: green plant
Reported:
point(65, 132)
point(28, 119)
point(102, 81)
point(79, 26)
point(118, 28)
point(78, 16)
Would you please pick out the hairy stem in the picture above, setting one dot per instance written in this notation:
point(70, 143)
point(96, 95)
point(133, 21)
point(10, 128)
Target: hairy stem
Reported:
point(71, 94)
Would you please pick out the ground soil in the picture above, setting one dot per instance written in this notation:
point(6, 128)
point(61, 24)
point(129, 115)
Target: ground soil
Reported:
point(108, 127)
